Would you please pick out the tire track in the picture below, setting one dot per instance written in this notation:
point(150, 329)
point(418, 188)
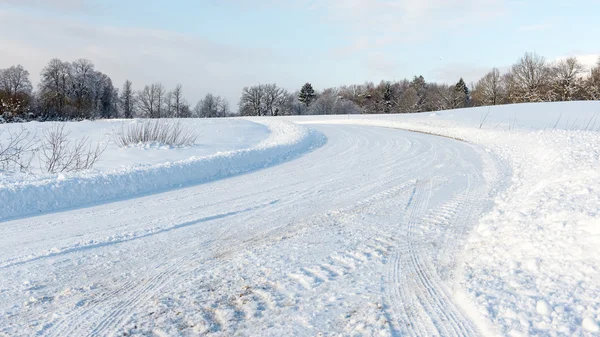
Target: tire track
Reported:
point(418, 296)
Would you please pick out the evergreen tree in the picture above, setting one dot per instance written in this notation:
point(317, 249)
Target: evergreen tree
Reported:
point(420, 86)
point(307, 94)
point(461, 94)
point(387, 92)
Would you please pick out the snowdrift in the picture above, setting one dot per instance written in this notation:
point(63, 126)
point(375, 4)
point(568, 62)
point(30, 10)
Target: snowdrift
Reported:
point(37, 195)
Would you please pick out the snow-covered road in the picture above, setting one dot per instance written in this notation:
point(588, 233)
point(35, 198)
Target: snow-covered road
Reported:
point(358, 237)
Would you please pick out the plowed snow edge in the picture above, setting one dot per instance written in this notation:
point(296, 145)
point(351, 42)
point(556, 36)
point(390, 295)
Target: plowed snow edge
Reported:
point(31, 197)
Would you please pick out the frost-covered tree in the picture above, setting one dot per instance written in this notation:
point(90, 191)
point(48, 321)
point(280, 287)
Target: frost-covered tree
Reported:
point(86, 85)
point(252, 101)
point(212, 106)
point(408, 101)
point(567, 83)
point(460, 95)
point(324, 105)
point(55, 84)
point(15, 80)
point(331, 103)
point(592, 84)
point(185, 111)
point(529, 79)
point(15, 93)
point(440, 97)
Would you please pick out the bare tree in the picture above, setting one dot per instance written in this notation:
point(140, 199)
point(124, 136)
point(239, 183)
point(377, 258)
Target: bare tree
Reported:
point(168, 110)
point(252, 101)
point(178, 101)
point(160, 96)
point(490, 89)
point(286, 102)
point(592, 85)
point(84, 86)
point(272, 94)
point(439, 97)
point(408, 101)
point(324, 105)
point(330, 102)
point(15, 80)
point(212, 106)
point(150, 100)
point(566, 79)
point(224, 110)
point(530, 77)
point(352, 92)
point(15, 93)
point(185, 111)
point(54, 87)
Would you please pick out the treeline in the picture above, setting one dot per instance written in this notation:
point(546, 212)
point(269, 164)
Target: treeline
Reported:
point(531, 79)
point(76, 90)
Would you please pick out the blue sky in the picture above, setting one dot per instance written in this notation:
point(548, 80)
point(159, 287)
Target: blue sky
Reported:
point(222, 46)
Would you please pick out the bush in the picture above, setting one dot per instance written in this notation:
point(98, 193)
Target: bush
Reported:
point(59, 154)
point(155, 131)
point(17, 151)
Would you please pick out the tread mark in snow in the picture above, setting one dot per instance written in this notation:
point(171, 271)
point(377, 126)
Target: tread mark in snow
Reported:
point(418, 299)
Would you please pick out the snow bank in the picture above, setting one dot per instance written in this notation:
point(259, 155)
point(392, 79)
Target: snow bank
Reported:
point(38, 194)
point(214, 135)
point(532, 264)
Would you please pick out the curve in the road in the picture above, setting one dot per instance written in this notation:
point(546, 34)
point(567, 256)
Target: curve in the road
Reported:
point(360, 236)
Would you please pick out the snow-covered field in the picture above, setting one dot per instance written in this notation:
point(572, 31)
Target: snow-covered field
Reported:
point(371, 231)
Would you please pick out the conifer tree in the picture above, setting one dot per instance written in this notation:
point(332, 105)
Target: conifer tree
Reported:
point(461, 94)
point(307, 94)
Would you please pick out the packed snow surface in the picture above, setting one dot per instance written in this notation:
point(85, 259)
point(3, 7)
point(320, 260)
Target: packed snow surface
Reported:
point(493, 229)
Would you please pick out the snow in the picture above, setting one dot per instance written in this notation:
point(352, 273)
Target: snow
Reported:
point(492, 229)
point(589, 324)
point(214, 135)
point(26, 194)
point(538, 246)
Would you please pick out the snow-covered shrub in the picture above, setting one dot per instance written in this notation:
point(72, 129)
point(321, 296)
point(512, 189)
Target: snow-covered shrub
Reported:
point(155, 131)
